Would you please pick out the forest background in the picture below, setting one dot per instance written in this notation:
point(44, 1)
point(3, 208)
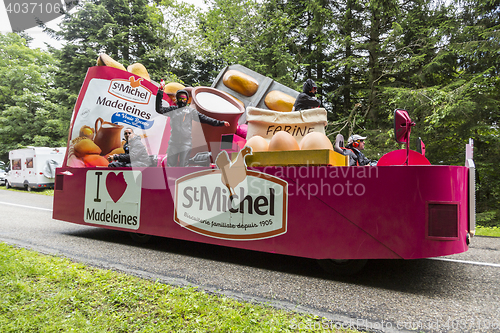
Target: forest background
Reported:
point(439, 60)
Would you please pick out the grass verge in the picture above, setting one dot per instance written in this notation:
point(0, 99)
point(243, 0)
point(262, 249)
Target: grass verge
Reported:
point(488, 223)
point(45, 191)
point(487, 231)
point(50, 294)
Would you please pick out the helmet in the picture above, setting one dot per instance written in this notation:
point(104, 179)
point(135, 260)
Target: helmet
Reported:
point(353, 140)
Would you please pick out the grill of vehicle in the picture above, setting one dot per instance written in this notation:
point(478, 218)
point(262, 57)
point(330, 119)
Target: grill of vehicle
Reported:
point(442, 220)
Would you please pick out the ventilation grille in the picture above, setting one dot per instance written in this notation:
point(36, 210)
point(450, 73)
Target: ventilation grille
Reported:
point(59, 182)
point(443, 220)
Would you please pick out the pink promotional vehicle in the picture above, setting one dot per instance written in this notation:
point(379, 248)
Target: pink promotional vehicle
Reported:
point(305, 203)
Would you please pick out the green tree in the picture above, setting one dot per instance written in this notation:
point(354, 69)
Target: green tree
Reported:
point(449, 81)
point(231, 28)
point(282, 40)
point(472, 107)
point(29, 110)
point(126, 30)
point(311, 35)
point(180, 48)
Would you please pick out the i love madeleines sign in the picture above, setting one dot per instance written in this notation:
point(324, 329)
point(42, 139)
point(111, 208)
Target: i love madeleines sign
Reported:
point(113, 198)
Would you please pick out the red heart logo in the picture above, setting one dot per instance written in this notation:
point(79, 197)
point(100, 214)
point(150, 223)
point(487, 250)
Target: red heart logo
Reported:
point(116, 185)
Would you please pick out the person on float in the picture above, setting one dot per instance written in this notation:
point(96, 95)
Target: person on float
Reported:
point(307, 98)
point(135, 155)
point(181, 117)
point(355, 144)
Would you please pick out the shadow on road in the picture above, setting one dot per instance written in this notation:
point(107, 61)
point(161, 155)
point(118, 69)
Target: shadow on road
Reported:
point(420, 277)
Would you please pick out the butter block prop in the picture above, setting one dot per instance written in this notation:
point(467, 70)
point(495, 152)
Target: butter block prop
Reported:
point(295, 158)
point(266, 88)
point(240, 82)
point(266, 123)
point(279, 101)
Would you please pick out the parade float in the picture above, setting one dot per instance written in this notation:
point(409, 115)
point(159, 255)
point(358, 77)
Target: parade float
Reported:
point(274, 182)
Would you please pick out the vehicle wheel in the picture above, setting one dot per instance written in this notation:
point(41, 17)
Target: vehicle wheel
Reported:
point(342, 267)
point(7, 186)
point(27, 188)
point(140, 238)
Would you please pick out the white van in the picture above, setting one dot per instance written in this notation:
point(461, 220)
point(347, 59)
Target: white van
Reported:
point(3, 174)
point(34, 167)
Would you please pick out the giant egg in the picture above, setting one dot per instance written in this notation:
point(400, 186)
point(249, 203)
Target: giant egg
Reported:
point(315, 140)
point(282, 141)
point(257, 143)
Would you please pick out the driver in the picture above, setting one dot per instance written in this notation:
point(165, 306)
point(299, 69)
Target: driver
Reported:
point(355, 144)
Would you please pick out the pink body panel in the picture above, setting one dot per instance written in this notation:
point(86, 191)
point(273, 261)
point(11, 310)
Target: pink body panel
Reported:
point(401, 156)
point(333, 212)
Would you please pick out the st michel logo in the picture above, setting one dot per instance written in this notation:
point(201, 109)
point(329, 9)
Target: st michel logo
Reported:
point(232, 202)
point(130, 90)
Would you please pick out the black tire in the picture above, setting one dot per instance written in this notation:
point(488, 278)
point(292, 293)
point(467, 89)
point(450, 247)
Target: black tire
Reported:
point(27, 188)
point(7, 185)
point(342, 267)
point(140, 238)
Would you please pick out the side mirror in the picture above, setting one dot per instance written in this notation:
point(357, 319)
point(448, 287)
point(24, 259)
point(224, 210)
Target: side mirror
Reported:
point(402, 129)
point(402, 126)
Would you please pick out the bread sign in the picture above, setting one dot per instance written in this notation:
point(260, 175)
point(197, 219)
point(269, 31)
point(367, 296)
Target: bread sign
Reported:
point(267, 123)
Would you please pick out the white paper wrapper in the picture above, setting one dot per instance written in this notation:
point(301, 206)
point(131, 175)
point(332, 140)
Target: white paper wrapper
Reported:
point(266, 123)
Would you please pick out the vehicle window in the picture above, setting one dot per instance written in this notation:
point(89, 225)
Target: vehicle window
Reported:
point(16, 164)
point(29, 162)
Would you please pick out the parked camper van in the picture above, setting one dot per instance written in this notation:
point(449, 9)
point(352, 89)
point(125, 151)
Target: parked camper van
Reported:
point(3, 173)
point(34, 167)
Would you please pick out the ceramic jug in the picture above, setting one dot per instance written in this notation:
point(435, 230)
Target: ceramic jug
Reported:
point(107, 135)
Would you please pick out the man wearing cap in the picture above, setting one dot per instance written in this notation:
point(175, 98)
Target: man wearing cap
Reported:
point(181, 117)
point(355, 145)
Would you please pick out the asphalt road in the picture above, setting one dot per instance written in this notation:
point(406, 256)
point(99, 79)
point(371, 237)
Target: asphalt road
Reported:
point(458, 294)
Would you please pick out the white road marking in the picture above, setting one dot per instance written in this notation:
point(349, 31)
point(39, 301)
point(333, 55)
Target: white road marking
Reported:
point(23, 206)
point(468, 262)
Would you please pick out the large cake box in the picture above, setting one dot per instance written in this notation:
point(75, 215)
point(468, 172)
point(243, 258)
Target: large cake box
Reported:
point(295, 158)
